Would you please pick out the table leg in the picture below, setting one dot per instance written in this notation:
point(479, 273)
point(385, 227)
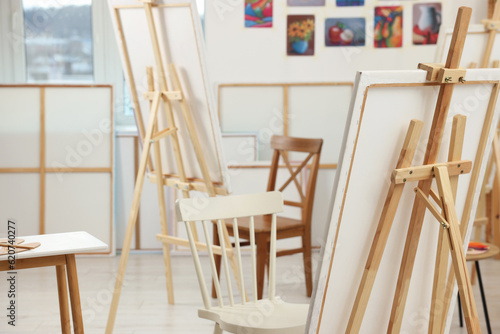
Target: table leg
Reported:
point(62, 290)
point(74, 294)
point(483, 297)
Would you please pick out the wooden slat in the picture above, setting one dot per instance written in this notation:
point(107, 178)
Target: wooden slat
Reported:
point(457, 252)
point(161, 197)
point(383, 229)
point(441, 267)
point(431, 208)
point(419, 173)
point(35, 262)
point(471, 192)
point(42, 162)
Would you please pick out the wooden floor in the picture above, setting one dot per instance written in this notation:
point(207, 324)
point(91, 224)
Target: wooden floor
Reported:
point(143, 306)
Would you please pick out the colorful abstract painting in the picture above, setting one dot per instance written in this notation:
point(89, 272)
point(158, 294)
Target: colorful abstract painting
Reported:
point(300, 35)
point(345, 3)
point(306, 2)
point(388, 31)
point(426, 23)
point(345, 31)
point(258, 13)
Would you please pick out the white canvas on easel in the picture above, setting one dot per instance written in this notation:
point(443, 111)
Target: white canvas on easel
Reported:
point(177, 25)
point(382, 106)
point(163, 57)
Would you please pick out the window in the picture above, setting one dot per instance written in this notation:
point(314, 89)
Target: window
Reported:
point(58, 41)
point(64, 41)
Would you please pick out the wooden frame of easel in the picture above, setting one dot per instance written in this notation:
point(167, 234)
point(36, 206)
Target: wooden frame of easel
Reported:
point(447, 75)
point(151, 135)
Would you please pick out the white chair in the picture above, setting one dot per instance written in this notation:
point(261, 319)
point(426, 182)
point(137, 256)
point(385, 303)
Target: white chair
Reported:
point(271, 315)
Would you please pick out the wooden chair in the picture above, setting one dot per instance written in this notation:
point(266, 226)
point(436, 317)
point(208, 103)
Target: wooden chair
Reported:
point(287, 227)
point(257, 316)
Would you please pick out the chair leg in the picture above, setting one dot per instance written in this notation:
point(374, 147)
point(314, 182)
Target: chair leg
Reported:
point(306, 244)
point(217, 259)
point(262, 255)
point(217, 329)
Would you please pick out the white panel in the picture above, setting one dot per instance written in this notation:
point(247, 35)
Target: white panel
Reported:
point(324, 118)
point(181, 42)
point(19, 200)
point(240, 149)
point(361, 186)
point(253, 109)
point(78, 127)
point(79, 202)
point(20, 127)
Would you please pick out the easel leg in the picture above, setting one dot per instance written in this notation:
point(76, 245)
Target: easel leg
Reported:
point(62, 289)
point(163, 220)
point(136, 201)
point(442, 254)
point(457, 252)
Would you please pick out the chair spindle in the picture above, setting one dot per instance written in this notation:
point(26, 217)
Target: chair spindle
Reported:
point(199, 270)
point(238, 260)
point(215, 277)
point(254, 258)
point(225, 261)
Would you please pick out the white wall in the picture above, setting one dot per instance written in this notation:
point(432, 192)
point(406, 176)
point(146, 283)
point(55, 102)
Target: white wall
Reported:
point(244, 55)
point(239, 54)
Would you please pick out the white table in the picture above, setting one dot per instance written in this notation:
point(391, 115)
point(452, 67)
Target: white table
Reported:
point(59, 250)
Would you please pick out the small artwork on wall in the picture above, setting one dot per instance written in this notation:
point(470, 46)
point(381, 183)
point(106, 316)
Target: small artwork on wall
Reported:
point(345, 31)
point(306, 2)
point(345, 3)
point(300, 35)
point(388, 31)
point(426, 23)
point(258, 13)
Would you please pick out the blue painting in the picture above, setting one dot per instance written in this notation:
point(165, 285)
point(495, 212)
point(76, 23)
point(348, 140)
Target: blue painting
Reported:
point(344, 3)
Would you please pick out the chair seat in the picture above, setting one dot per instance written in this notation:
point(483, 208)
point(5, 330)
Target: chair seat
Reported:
point(263, 224)
point(263, 317)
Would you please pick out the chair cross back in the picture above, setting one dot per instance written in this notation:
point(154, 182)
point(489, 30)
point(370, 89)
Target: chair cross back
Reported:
point(282, 146)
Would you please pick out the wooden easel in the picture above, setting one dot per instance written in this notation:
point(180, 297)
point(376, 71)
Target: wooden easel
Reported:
point(151, 135)
point(447, 75)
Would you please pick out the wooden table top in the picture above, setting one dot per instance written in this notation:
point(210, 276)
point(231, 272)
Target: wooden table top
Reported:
point(494, 250)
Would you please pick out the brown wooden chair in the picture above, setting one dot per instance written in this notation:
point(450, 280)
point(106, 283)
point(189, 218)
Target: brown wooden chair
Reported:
point(286, 227)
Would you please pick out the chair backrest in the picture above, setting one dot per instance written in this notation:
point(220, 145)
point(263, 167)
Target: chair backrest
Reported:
point(230, 208)
point(282, 146)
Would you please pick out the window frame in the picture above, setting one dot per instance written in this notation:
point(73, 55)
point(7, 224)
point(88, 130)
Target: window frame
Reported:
point(107, 61)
